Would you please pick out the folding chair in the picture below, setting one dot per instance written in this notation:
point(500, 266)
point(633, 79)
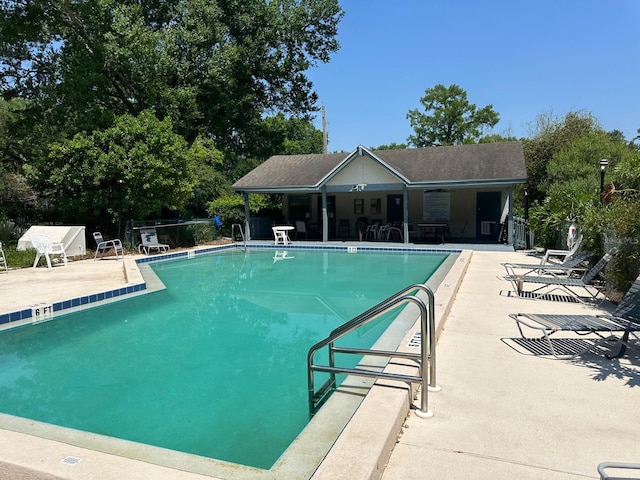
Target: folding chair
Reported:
point(149, 238)
point(103, 246)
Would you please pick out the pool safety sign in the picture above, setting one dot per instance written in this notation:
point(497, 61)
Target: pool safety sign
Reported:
point(41, 311)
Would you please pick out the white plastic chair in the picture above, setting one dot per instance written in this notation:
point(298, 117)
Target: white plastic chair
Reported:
point(44, 247)
point(373, 230)
point(280, 236)
point(383, 232)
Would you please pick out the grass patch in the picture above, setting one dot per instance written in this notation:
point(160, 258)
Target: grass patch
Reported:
point(19, 258)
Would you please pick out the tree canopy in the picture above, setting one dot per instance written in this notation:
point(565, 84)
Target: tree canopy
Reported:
point(134, 168)
point(449, 118)
point(227, 76)
point(212, 67)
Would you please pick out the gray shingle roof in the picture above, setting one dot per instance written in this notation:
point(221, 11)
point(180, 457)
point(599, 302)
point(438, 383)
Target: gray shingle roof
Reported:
point(501, 162)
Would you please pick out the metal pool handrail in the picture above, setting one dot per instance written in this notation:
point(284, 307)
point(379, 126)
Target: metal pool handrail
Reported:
point(426, 358)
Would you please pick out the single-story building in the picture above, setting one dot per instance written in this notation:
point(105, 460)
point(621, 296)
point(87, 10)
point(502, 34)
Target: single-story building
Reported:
point(458, 193)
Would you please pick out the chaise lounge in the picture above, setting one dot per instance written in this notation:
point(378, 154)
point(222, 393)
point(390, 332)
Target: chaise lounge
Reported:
point(568, 267)
point(550, 283)
point(624, 320)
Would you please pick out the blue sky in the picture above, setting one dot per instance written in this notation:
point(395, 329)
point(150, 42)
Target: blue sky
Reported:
point(526, 58)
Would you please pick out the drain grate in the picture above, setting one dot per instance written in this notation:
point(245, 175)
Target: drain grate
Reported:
point(416, 340)
point(71, 460)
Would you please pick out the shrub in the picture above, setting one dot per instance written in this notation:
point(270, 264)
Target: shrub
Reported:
point(202, 233)
point(8, 233)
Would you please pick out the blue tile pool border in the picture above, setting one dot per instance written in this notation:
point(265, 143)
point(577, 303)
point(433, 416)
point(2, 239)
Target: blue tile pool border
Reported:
point(26, 314)
point(58, 307)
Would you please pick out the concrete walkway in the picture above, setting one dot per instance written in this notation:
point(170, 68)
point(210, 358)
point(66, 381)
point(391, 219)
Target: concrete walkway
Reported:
point(507, 414)
point(503, 413)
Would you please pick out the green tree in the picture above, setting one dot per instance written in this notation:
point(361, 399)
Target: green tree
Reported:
point(496, 137)
point(130, 170)
point(211, 67)
point(211, 179)
point(391, 146)
point(550, 135)
point(449, 118)
point(572, 185)
point(280, 135)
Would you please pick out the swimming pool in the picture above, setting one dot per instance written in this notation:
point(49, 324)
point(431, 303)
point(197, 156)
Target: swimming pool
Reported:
point(229, 334)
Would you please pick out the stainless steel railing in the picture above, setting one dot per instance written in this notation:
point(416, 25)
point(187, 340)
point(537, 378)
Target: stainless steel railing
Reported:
point(426, 359)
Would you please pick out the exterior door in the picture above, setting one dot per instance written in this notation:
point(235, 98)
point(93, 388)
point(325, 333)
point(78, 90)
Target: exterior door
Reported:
point(395, 208)
point(489, 209)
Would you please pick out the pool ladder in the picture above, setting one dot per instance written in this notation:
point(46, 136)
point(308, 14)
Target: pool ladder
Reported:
point(426, 359)
point(241, 233)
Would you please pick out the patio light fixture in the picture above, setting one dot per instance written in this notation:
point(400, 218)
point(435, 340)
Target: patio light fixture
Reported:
point(359, 187)
point(603, 168)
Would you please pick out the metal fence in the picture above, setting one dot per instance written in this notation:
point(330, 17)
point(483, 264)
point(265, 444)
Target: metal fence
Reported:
point(520, 232)
point(174, 232)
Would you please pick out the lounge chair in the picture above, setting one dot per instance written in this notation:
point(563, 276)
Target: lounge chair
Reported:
point(45, 247)
point(568, 267)
point(616, 466)
point(550, 254)
point(104, 246)
point(568, 284)
point(625, 320)
point(149, 238)
point(3, 260)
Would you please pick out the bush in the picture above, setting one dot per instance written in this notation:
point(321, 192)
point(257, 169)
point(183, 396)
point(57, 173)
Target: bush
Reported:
point(202, 233)
point(230, 208)
point(617, 224)
point(8, 233)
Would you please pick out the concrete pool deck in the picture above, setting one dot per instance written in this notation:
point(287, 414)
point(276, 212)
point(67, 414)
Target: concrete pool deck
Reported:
point(502, 412)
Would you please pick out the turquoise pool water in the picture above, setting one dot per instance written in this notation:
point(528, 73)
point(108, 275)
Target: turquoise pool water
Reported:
point(215, 365)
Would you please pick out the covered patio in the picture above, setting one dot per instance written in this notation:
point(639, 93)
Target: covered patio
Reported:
point(458, 193)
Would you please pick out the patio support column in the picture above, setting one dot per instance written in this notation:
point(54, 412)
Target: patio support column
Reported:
point(325, 219)
point(510, 217)
point(405, 213)
point(247, 213)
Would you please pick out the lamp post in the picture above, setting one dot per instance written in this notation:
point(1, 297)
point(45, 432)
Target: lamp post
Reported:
point(603, 168)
